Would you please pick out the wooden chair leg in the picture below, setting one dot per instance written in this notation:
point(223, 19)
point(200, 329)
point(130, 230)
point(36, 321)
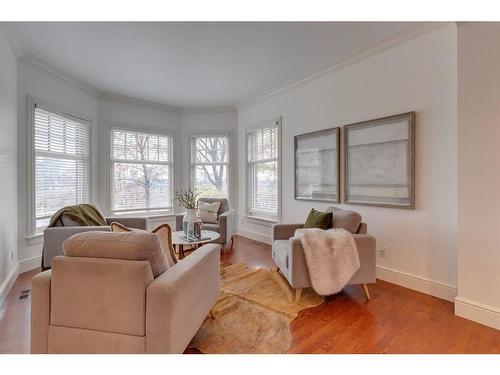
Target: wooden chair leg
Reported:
point(365, 289)
point(298, 293)
point(231, 243)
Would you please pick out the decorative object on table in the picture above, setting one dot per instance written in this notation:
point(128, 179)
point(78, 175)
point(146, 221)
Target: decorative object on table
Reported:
point(224, 224)
point(317, 165)
point(187, 199)
point(252, 314)
point(380, 162)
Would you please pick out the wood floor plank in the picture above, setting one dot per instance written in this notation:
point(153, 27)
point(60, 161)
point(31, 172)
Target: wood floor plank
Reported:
point(395, 320)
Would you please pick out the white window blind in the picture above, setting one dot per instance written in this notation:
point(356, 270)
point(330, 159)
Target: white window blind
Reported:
point(210, 165)
point(141, 171)
point(263, 171)
point(61, 163)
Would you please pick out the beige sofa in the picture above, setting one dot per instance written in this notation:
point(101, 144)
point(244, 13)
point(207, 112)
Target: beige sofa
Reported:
point(54, 237)
point(288, 253)
point(122, 299)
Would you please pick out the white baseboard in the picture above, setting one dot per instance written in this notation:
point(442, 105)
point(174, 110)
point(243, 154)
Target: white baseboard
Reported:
point(254, 235)
point(417, 283)
point(30, 264)
point(478, 312)
point(7, 284)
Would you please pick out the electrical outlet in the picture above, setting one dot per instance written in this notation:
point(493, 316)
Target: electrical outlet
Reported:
point(381, 252)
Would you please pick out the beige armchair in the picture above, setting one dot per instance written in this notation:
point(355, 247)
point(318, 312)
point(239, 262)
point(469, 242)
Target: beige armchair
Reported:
point(54, 237)
point(288, 253)
point(225, 224)
point(121, 296)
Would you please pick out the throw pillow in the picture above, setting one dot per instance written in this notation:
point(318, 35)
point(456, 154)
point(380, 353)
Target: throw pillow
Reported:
point(318, 219)
point(207, 212)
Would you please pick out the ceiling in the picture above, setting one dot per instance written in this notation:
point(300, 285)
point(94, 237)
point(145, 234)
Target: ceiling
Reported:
point(188, 64)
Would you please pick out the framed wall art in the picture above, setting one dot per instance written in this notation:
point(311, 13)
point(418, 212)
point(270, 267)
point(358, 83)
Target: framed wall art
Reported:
point(317, 165)
point(379, 160)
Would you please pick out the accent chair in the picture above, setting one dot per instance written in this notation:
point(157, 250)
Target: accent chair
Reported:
point(288, 254)
point(225, 221)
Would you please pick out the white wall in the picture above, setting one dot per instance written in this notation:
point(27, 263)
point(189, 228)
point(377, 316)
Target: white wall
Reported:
point(8, 166)
point(479, 173)
point(417, 75)
point(38, 83)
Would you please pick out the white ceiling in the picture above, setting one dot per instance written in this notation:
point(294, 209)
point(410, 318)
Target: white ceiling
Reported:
point(194, 64)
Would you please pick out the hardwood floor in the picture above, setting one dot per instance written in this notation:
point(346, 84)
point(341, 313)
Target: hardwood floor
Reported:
point(396, 320)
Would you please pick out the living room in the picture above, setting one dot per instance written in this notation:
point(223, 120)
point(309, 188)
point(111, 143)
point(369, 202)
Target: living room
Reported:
point(310, 187)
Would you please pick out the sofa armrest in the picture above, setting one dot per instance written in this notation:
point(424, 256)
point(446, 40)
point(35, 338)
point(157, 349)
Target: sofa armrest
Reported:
point(179, 300)
point(366, 245)
point(54, 237)
point(130, 222)
point(40, 312)
point(178, 221)
point(284, 231)
point(226, 226)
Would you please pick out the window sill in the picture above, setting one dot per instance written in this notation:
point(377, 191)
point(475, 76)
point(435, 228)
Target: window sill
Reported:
point(260, 220)
point(34, 239)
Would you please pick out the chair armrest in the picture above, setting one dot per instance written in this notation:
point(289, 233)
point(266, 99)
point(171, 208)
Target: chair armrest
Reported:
point(54, 237)
point(179, 300)
point(284, 231)
point(226, 226)
point(178, 221)
point(130, 222)
point(40, 312)
point(366, 245)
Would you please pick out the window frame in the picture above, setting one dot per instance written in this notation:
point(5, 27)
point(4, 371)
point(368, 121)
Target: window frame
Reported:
point(229, 162)
point(250, 165)
point(163, 211)
point(64, 112)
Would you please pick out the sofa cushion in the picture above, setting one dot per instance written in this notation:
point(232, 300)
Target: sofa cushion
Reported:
point(224, 203)
point(133, 245)
point(346, 219)
point(208, 212)
point(318, 219)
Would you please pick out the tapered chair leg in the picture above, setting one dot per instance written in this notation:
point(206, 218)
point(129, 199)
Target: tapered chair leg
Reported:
point(231, 243)
point(367, 292)
point(298, 293)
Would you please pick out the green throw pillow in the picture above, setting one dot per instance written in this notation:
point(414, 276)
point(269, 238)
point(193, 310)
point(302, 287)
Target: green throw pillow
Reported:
point(318, 219)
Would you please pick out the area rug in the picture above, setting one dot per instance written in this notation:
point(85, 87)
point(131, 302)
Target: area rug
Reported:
point(253, 313)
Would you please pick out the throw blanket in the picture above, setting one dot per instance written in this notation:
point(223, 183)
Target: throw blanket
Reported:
point(331, 257)
point(84, 214)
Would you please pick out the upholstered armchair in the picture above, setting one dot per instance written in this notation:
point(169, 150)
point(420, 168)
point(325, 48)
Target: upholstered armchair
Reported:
point(289, 256)
point(117, 293)
point(54, 237)
point(225, 221)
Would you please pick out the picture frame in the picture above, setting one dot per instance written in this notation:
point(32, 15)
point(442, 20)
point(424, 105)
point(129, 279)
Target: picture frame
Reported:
point(379, 162)
point(317, 166)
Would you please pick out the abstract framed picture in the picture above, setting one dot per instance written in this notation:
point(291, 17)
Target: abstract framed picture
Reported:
point(317, 165)
point(379, 158)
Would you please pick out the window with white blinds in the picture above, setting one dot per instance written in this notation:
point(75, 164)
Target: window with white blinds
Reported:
point(210, 165)
point(61, 163)
point(263, 158)
point(141, 172)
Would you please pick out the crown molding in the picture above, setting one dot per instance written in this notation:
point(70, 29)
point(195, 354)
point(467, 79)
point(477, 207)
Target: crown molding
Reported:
point(33, 61)
point(105, 95)
point(344, 61)
point(12, 35)
point(220, 109)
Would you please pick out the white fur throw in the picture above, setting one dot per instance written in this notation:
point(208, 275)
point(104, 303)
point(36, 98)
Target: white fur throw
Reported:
point(331, 257)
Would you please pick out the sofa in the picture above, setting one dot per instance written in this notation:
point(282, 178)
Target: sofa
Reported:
point(54, 237)
point(116, 293)
point(288, 254)
point(225, 221)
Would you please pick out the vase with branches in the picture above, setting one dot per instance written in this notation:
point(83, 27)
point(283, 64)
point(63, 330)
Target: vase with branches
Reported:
point(191, 223)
